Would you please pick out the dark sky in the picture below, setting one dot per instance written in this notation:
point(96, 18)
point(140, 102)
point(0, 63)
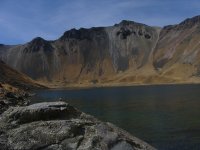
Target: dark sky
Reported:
point(22, 20)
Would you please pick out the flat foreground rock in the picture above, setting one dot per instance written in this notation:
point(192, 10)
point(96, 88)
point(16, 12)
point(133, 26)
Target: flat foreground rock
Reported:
point(57, 125)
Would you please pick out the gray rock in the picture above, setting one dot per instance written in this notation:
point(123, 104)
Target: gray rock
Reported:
point(57, 126)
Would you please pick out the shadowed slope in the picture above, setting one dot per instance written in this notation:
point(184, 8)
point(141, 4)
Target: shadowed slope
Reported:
point(16, 79)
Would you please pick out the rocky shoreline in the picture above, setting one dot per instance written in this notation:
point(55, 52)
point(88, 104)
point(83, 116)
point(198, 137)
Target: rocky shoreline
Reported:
point(57, 126)
point(11, 96)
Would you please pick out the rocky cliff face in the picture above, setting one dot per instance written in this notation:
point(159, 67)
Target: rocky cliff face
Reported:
point(85, 54)
point(58, 125)
point(127, 52)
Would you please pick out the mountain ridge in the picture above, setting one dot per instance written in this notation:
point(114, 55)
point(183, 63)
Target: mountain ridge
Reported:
point(127, 52)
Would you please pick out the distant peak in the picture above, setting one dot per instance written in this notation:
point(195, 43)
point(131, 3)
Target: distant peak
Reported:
point(79, 34)
point(187, 23)
point(191, 21)
point(1, 44)
point(37, 44)
point(38, 39)
point(126, 22)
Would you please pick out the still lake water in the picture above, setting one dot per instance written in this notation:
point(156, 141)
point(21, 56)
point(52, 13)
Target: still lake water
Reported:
point(165, 116)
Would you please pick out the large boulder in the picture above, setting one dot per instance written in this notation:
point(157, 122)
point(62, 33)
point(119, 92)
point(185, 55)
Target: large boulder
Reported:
point(57, 125)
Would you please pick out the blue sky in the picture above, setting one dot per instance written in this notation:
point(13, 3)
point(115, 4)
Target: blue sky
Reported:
point(22, 20)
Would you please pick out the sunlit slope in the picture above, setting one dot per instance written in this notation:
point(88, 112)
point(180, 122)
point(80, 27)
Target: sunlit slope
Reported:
point(126, 53)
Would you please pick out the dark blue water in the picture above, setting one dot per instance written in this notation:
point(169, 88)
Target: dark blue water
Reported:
point(167, 117)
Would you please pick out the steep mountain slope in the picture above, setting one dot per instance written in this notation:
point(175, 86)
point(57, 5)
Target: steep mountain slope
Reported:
point(178, 50)
point(12, 78)
point(127, 52)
